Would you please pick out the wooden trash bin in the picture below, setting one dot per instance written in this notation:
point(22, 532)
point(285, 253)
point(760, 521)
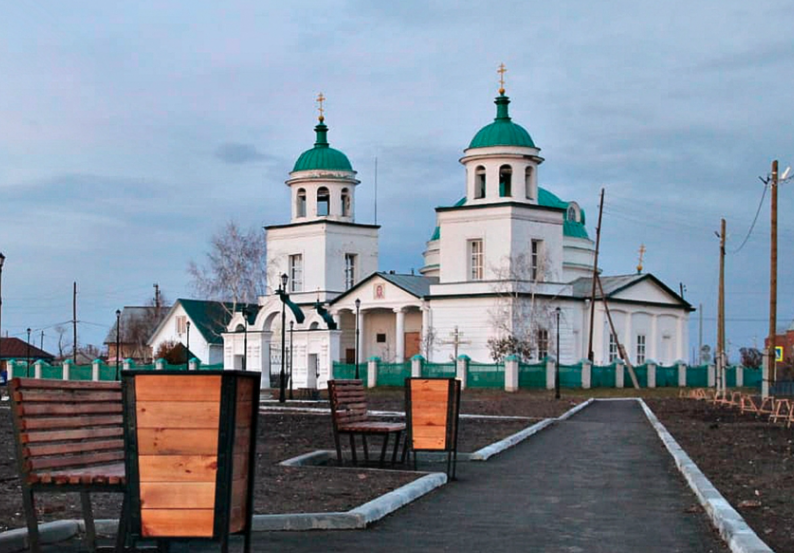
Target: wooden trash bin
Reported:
point(432, 410)
point(191, 454)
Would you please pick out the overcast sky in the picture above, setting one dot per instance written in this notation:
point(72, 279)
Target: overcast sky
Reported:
point(131, 131)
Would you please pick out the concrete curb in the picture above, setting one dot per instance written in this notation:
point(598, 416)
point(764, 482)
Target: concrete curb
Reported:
point(390, 502)
point(49, 532)
point(732, 527)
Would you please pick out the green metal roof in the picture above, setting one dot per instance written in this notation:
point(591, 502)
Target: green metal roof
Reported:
point(322, 156)
point(502, 132)
point(211, 317)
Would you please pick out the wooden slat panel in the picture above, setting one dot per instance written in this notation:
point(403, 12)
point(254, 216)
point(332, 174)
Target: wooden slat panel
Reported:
point(175, 441)
point(33, 383)
point(244, 410)
point(177, 522)
point(72, 447)
point(239, 466)
point(245, 387)
point(428, 417)
point(181, 414)
point(180, 495)
point(51, 423)
point(70, 409)
point(63, 435)
point(68, 396)
point(177, 468)
point(428, 437)
point(39, 463)
point(161, 388)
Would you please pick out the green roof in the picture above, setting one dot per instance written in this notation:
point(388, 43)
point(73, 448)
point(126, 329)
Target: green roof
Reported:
point(212, 317)
point(502, 132)
point(322, 156)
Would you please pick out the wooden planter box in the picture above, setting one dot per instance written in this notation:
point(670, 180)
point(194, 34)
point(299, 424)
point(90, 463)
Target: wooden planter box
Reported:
point(190, 439)
point(432, 410)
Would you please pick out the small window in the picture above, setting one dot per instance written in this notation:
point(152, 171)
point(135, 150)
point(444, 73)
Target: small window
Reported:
point(479, 182)
point(380, 338)
point(475, 259)
point(613, 348)
point(345, 202)
point(505, 181)
point(528, 183)
point(296, 272)
point(323, 201)
point(536, 261)
point(300, 203)
point(350, 270)
point(640, 349)
point(181, 324)
point(543, 343)
point(572, 213)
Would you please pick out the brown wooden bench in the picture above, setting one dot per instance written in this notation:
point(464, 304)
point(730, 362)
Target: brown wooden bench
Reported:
point(69, 438)
point(350, 416)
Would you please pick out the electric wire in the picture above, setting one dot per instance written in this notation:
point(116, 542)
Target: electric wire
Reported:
point(755, 219)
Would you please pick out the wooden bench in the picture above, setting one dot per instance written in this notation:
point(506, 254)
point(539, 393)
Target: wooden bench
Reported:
point(350, 416)
point(69, 438)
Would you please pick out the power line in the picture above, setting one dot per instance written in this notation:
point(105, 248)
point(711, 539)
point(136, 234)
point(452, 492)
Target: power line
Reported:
point(752, 226)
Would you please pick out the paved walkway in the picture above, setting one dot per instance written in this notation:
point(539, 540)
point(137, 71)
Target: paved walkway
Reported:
point(598, 482)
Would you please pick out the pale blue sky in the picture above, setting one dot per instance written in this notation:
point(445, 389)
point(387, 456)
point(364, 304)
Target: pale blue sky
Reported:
point(130, 132)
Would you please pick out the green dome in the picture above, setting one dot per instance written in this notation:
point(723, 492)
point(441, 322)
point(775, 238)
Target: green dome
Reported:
point(502, 132)
point(322, 156)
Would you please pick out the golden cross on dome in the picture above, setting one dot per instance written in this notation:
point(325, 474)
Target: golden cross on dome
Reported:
point(320, 100)
point(502, 70)
point(642, 253)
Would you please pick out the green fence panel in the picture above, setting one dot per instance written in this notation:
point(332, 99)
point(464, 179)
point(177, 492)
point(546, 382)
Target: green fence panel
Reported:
point(20, 370)
point(571, 376)
point(215, 367)
point(532, 376)
point(347, 371)
point(753, 377)
point(393, 374)
point(666, 377)
point(730, 377)
point(48, 371)
point(484, 375)
point(641, 371)
point(602, 376)
point(439, 370)
point(108, 372)
point(80, 372)
point(697, 377)
point(143, 367)
point(177, 367)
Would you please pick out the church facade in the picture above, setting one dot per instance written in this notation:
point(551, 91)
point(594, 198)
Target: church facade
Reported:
point(508, 265)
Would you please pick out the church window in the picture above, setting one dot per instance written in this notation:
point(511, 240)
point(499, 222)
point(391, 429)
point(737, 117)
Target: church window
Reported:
point(323, 201)
point(543, 343)
point(475, 259)
point(300, 207)
point(536, 261)
point(296, 272)
point(505, 181)
point(345, 202)
point(380, 338)
point(528, 183)
point(613, 348)
point(479, 182)
point(181, 324)
point(640, 349)
point(572, 213)
point(350, 270)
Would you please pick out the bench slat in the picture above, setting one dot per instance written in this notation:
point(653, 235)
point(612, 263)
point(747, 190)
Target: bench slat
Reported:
point(51, 384)
point(52, 423)
point(67, 396)
point(38, 463)
point(64, 435)
point(73, 447)
point(79, 409)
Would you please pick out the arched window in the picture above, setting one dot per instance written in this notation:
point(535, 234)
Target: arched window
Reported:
point(479, 182)
point(571, 213)
point(323, 201)
point(505, 181)
point(300, 203)
point(528, 183)
point(345, 202)
point(314, 326)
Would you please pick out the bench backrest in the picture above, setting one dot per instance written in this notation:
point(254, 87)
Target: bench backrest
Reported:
point(66, 425)
point(348, 402)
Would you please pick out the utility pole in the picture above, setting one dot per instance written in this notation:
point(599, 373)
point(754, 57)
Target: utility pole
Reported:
point(699, 358)
point(721, 314)
point(42, 341)
point(768, 375)
point(157, 300)
point(590, 354)
point(621, 349)
point(74, 321)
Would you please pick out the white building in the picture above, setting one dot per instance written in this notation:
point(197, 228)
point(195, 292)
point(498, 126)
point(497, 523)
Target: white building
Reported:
point(500, 263)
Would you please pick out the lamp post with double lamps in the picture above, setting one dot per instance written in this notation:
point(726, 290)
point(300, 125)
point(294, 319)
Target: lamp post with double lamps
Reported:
point(557, 370)
point(118, 340)
point(282, 384)
point(358, 306)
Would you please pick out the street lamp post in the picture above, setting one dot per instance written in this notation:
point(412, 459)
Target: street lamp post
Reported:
point(358, 306)
point(118, 340)
point(291, 347)
point(187, 347)
point(281, 384)
point(245, 338)
point(2, 260)
point(27, 371)
point(557, 370)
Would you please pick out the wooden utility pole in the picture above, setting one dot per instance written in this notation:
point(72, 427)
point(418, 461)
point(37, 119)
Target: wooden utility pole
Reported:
point(157, 300)
point(74, 321)
point(769, 376)
point(590, 354)
point(621, 349)
point(721, 314)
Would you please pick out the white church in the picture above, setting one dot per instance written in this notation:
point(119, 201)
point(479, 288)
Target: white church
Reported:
point(506, 265)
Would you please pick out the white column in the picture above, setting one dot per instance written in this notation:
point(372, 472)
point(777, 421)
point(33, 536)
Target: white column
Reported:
point(739, 376)
point(711, 376)
point(550, 366)
point(679, 338)
point(653, 354)
point(682, 375)
point(587, 375)
point(416, 366)
point(66, 370)
point(361, 355)
point(425, 330)
point(461, 368)
point(619, 376)
point(372, 372)
point(627, 338)
point(159, 365)
point(652, 375)
point(95, 371)
point(193, 364)
point(511, 373)
point(37, 368)
point(400, 338)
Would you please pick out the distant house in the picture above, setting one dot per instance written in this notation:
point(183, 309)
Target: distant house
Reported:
point(207, 322)
point(137, 325)
point(14, 348)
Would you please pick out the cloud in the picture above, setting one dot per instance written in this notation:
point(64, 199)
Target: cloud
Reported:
point(236, 153)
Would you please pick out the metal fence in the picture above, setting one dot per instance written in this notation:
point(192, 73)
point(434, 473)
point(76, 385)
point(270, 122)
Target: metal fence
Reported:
point(484, 375)
point(439, 370)
point(532, 376)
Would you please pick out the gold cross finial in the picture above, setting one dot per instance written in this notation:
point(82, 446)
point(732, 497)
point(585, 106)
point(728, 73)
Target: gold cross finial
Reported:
point(502, 70)
point(642, 253)
point(320, 100)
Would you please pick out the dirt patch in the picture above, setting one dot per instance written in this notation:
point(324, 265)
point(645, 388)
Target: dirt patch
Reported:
point(750, 461)
point(284, 435)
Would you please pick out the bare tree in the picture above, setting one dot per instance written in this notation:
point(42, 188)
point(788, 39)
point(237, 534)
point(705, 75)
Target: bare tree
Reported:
point(64, 344)
point(428, 342)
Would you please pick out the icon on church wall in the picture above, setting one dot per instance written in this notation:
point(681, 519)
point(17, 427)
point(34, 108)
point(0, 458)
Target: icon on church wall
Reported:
point(380, 292)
